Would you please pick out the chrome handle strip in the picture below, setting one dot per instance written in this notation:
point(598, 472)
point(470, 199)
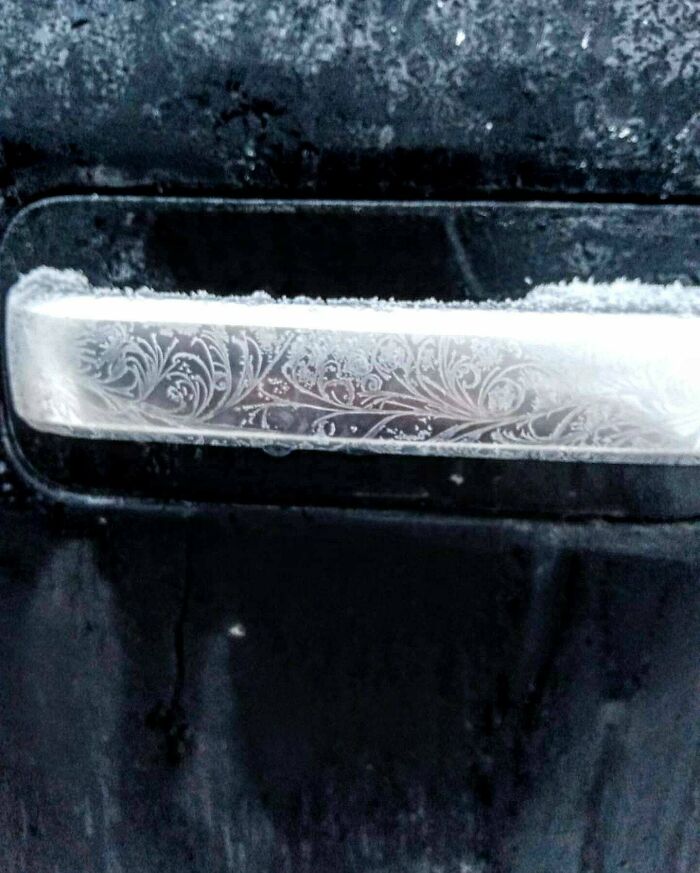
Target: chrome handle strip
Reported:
point(426, 380)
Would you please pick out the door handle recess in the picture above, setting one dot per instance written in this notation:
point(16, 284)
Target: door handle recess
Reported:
point(564, 375)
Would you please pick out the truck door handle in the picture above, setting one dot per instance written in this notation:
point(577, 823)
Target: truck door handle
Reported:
point(560, 381)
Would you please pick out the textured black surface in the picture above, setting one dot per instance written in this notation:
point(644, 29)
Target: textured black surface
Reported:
point(331, 692)
point(421, 97)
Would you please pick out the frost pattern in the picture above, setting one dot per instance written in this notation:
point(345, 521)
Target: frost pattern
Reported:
point(391, 392)
point(329, 387)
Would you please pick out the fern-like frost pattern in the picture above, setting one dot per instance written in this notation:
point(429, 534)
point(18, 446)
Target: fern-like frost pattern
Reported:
point(609, 387)
point(369, 389)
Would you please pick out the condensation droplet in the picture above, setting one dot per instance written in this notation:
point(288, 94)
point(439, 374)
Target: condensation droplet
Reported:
point(278, 451)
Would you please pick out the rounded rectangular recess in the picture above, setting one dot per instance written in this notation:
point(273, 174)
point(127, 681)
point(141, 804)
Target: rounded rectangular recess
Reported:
point(408, 251)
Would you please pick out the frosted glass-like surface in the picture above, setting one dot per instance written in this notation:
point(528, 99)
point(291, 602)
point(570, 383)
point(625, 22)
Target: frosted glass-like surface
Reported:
point(572, 372)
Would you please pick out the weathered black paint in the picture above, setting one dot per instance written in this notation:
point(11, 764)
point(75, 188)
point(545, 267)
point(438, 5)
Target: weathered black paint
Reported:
point(326, 691)
point(374, 98)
